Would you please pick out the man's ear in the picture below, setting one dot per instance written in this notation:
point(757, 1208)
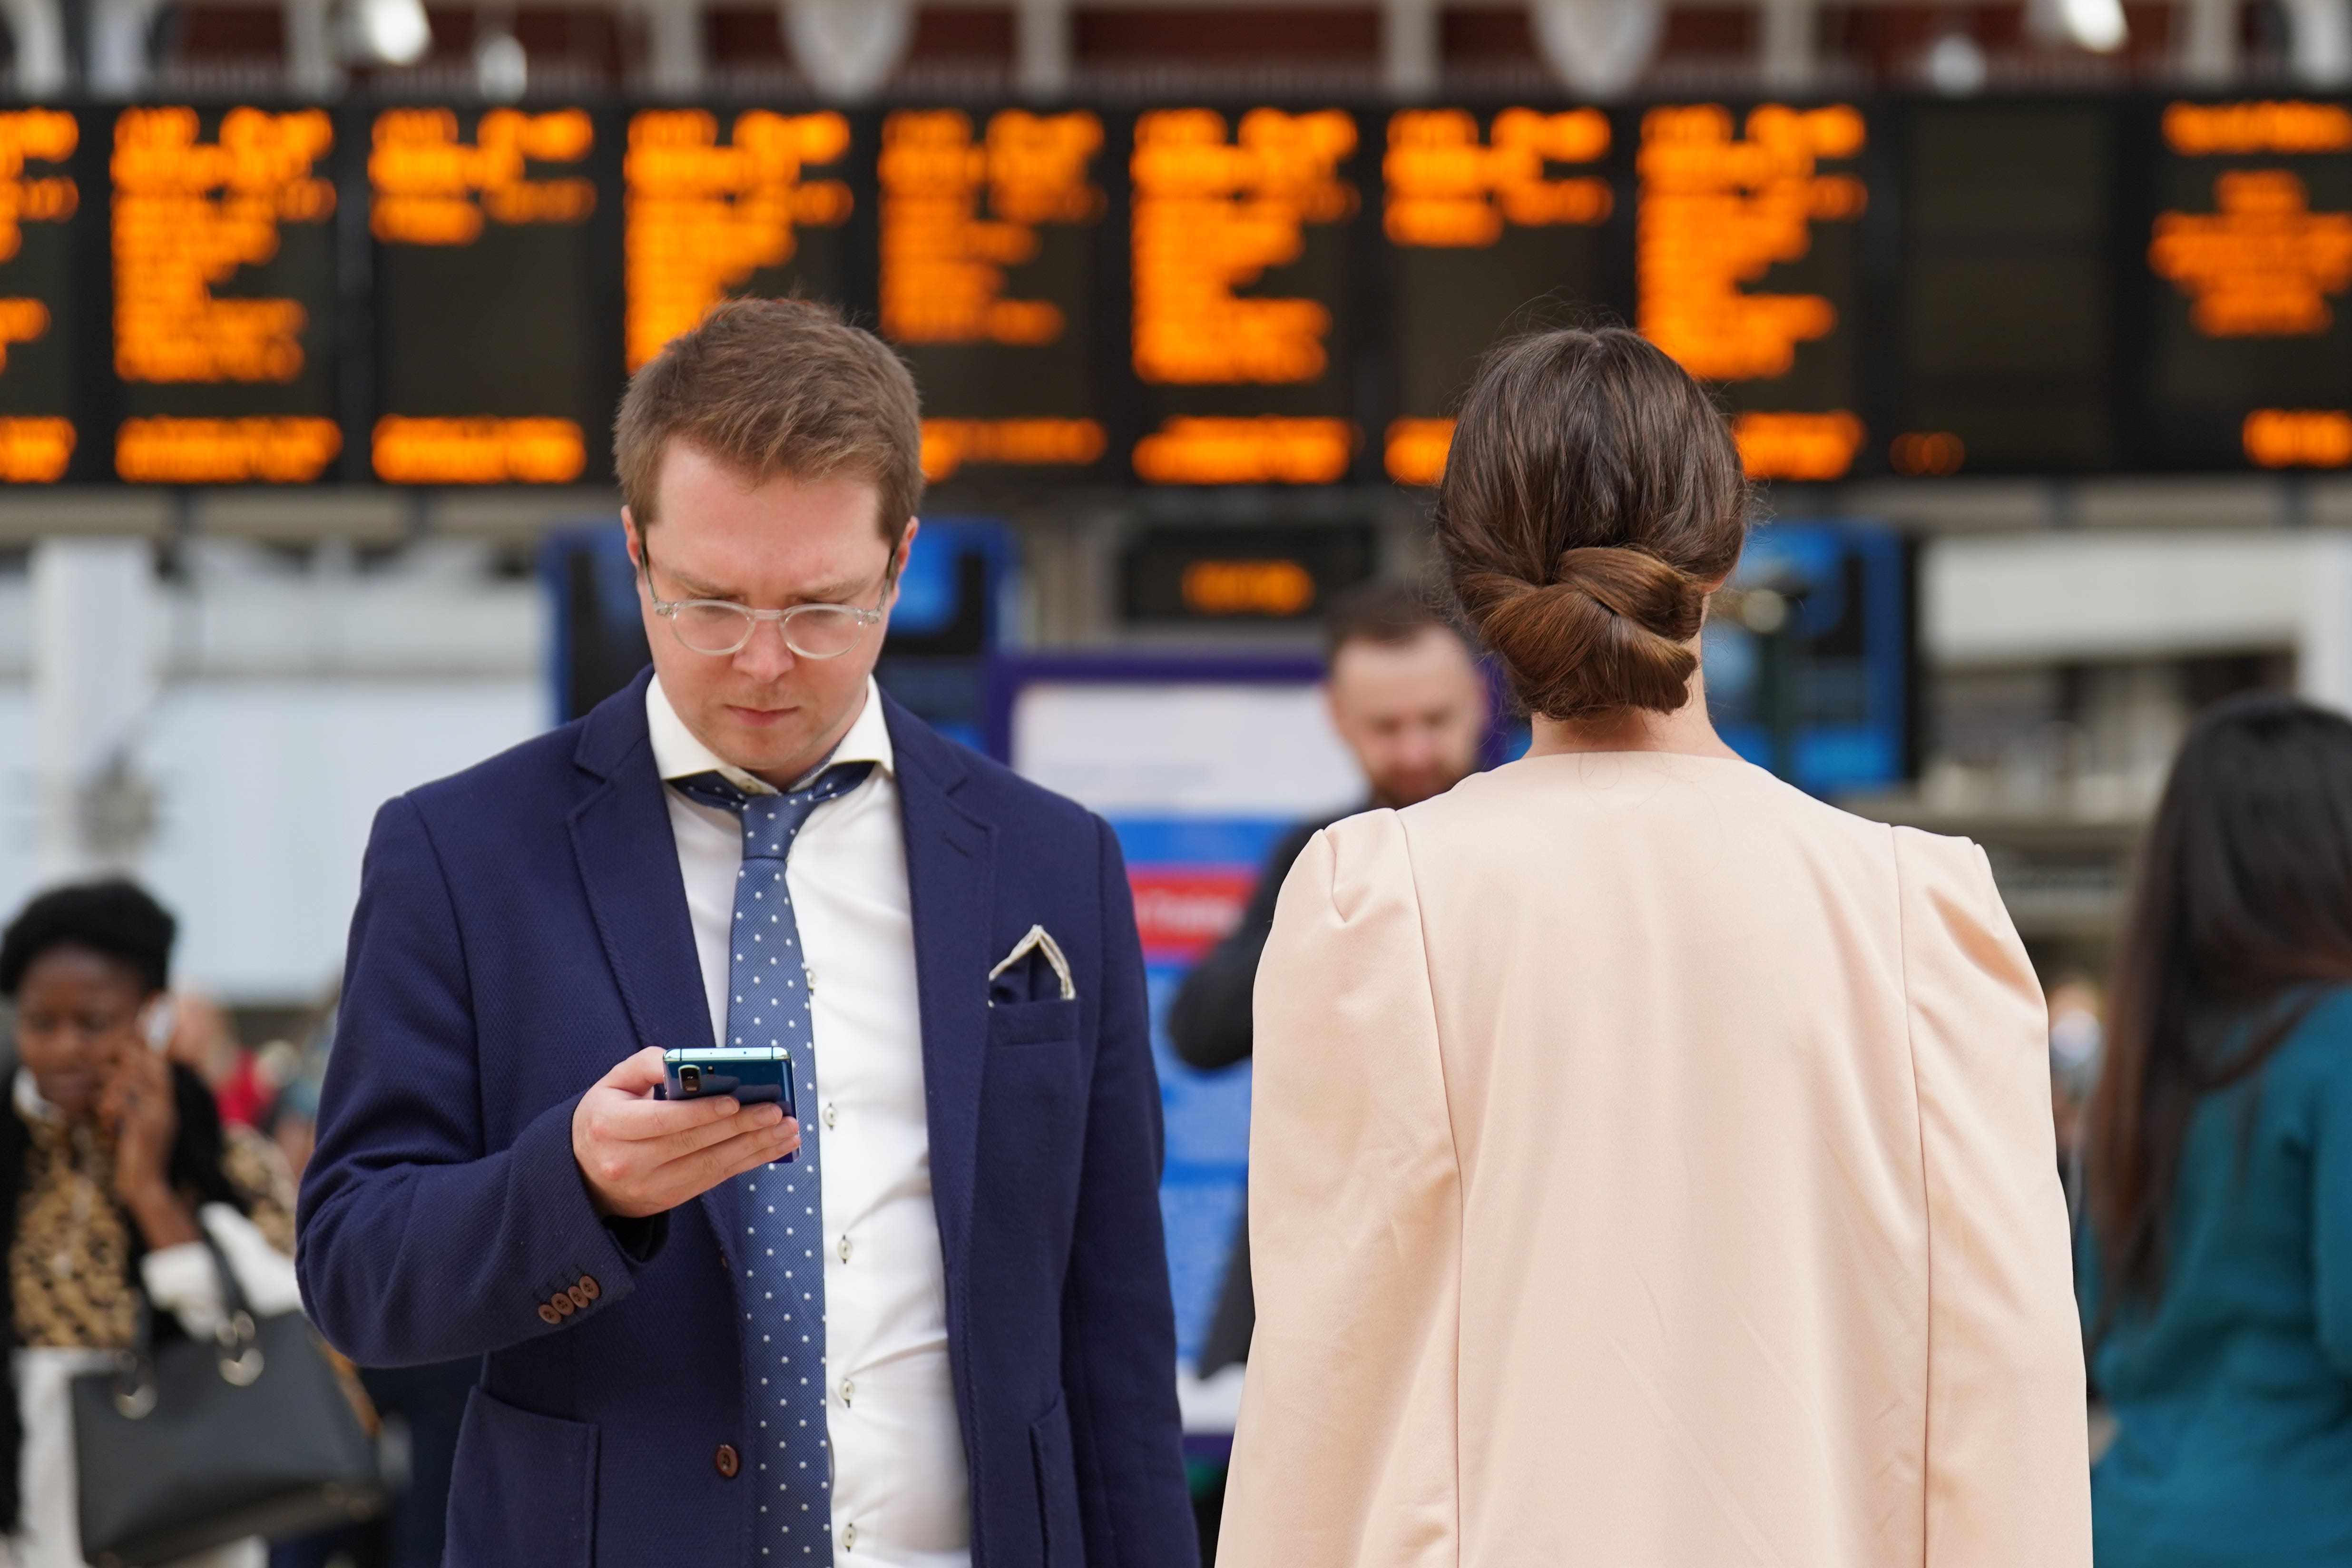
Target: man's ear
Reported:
point(633, 539)
point(904, 554)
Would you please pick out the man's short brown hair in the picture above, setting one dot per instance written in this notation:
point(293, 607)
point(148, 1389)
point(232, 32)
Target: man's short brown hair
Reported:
point(769, 387)
point(1381, 611)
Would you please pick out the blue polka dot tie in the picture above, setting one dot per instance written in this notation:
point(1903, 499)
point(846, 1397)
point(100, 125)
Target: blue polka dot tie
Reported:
point(782, 1286)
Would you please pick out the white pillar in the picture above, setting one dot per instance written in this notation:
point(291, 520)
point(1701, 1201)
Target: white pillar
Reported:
point(118, 46)
point(677, 60)
point(311, 68)
point(1789, 56)
point(1598, 47)
point(2319, 41)
point(1412, 53)
point(1041, 45)
point(848, 48)
point(40, 36)
point(2208, 41)
point(2323, 655)
point(96, 657)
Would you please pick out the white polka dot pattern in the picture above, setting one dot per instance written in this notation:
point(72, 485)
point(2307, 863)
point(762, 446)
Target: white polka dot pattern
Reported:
point(783, 1304)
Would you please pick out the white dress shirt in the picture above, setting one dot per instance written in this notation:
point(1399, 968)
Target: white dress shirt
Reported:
point(901, 1489)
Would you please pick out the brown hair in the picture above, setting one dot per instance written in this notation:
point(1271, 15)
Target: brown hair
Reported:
point(776, 386)
point(1591, 495)
point(1382, 610)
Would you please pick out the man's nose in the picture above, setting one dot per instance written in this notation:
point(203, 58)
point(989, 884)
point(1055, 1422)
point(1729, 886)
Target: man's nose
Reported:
point(767, 655)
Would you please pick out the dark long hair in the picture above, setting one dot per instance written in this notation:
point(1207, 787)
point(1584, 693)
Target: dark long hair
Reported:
point(2242, 915)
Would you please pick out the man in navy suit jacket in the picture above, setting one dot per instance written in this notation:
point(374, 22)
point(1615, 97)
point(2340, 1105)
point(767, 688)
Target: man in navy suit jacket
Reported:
point(496, 1175)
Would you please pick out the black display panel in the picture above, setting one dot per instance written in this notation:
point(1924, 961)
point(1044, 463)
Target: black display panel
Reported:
point(1254, 571)
point(222, 228)
point(1749, 269)
point(1497, 222)
point(2007, 288)
point(990, 230)
point(2245, 229)
point(497, 356)
point(44, 234)
point(751, 202)
point(1244, 283)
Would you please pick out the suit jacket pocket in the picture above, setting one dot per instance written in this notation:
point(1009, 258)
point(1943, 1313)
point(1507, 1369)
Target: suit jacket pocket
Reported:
point(525, 1488)
point(1057, 1488)
point(1033, 1022)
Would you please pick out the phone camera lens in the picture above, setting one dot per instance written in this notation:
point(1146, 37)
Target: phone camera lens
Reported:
point(689, 1079)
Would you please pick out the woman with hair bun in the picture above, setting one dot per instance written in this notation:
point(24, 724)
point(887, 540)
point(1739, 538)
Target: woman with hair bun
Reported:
point(1650, 1165)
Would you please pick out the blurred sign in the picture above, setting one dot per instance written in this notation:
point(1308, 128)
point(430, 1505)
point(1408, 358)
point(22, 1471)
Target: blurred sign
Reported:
point(493, 350)
point(1200, 766)
point(1821, 690)
point(1177, 295)
point(1253, 573)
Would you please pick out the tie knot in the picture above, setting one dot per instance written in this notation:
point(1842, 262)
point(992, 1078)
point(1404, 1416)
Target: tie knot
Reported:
point(771, 821)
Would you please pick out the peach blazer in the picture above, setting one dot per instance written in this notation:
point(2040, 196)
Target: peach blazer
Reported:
point(1652, 1167)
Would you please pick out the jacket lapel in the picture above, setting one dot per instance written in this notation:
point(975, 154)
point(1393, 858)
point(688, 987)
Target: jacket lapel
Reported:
point(950, 871)
point(628, 857)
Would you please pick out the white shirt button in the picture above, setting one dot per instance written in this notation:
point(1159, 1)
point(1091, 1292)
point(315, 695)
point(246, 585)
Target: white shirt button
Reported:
point(848, 1387)
point(849, 1536)
point(828, 1113)
point(844, 1250)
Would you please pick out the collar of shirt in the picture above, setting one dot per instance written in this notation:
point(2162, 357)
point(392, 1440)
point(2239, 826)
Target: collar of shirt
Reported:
point(678, 755)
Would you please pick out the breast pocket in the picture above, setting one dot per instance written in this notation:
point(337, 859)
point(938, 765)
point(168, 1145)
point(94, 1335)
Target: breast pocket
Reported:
point(1033, 1022)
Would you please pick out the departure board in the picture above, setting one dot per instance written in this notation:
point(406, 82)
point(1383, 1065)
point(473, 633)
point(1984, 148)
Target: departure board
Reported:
point(1496, 225)
point(225, 293)
point(1251, 293)
point(2244, 312)
point(752, 204)
point(493, 348)
point(989, 234)
point(1239, 230)
point(1747, 268)
point(41, 227)
point(2005, 328)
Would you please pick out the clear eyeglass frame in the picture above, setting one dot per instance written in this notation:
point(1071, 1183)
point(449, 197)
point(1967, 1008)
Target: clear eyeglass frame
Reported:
point(721, 627)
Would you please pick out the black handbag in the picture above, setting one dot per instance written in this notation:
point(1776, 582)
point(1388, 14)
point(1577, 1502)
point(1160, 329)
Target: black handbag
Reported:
point(188, 1445)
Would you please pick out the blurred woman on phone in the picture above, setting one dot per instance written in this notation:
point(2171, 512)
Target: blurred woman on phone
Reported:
point(2216, 1269)
point(111, 1157)
point(1650, 1165)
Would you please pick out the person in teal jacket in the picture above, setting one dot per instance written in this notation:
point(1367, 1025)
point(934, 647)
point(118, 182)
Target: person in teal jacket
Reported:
point(2214, 1266)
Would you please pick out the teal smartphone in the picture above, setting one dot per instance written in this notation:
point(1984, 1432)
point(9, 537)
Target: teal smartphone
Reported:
point(754, 1075)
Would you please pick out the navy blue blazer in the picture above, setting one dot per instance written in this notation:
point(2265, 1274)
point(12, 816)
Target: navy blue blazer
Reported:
point(521, 927)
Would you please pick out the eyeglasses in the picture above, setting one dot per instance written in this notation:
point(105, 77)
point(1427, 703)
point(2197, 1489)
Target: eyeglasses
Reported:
point(721, 626)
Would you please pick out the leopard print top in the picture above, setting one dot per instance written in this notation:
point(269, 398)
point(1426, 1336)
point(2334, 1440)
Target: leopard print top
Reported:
point(70, 1269)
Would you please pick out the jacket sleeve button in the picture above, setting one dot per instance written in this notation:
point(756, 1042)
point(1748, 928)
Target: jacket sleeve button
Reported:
point(563, 1304)
point(580, 1296)
point(589, 1287)
point(727, 1460)
point(548, 1314)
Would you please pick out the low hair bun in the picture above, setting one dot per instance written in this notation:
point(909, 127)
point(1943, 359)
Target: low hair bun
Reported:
point(1607, 632)
point(1591, 498)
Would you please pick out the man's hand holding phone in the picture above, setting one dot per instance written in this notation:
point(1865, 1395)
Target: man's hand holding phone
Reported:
point(643, 1156)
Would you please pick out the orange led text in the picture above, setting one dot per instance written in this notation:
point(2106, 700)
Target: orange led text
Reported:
point(949, 444)
point(1797, 445)
point(1247, 587)
point(944, 264)
point(1210, 217)
point(187, 214)
point(431, 188)
point(2299, 438)
point(410, 451)
point(2261, 267)
point(225, 451)
point(34, 450)
point(702, 216)
point(1415, 453)
point(1267, 449)
point(1716, 213)
point(1444, 188)
point(2202, 130)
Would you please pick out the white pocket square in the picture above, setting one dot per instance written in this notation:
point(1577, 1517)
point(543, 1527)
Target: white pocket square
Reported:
point(1040, 939)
